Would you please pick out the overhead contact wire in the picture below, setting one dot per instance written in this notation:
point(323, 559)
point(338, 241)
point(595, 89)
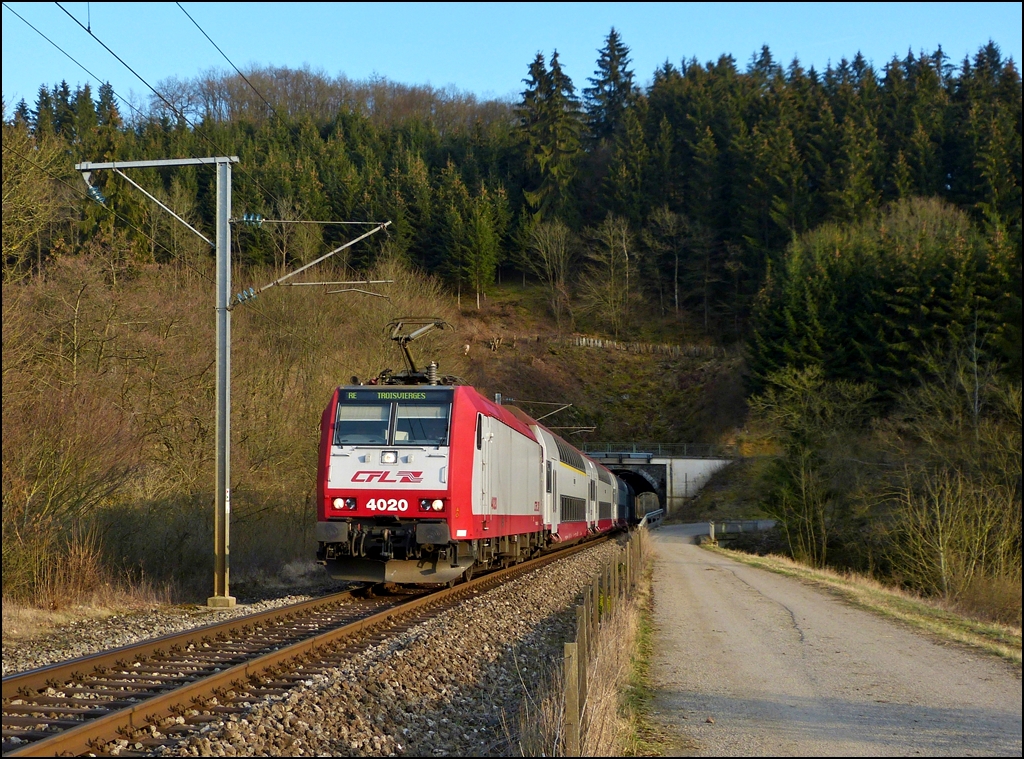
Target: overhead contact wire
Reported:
point(244, 77)
point(273, 110)
point(168, 103)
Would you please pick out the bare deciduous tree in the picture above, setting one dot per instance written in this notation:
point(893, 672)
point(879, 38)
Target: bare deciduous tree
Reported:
point(550, 255)
point(606, 287)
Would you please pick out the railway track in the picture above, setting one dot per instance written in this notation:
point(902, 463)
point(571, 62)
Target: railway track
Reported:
point(156, 692)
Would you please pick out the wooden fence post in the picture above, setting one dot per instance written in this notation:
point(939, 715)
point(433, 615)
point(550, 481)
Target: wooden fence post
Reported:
point(608, 587)
point(572, 701)
point(582, 649)
point(629, 567)
point(619, 574)
point(595, 593)
point(586, 616)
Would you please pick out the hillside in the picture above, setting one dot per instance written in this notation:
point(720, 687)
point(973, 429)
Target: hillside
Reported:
point(516, 350)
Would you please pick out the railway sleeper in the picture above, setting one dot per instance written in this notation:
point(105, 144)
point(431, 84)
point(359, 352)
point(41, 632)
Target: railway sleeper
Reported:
point(34, 735)
point(36, 721)
point(133, 696)
point(40, 700)
point(53, 709)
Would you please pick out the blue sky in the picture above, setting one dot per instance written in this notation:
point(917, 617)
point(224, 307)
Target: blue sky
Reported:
point(482, 48)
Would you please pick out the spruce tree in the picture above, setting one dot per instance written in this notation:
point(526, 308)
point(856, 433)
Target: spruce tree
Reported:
point(22, 115)
point(612, 91)
point(43, 116)
point(551, 127)
point(626, 182)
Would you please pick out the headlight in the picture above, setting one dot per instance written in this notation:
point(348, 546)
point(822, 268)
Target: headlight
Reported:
point(424, 504)
point(438, 504)
point(350, 503)
point(338, 503)
point(389, 457)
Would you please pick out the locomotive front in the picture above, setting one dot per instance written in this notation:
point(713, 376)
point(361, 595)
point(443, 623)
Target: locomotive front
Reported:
point(384, 485)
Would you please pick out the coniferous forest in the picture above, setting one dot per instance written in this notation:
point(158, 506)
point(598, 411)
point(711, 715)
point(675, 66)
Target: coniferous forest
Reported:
point(705, 175)
point(855, 232)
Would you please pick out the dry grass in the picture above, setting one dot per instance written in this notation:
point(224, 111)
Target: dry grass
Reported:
point(25, 621)
point(539, 729)
point(925, 614)
point(607, 724)
point(996, 599)
point(108, 420)
point(58, 577)
point(614, 721)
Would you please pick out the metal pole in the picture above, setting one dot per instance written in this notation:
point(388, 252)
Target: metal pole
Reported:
point(221, 598)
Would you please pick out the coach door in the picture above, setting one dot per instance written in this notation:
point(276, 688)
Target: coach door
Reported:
point(485, 501)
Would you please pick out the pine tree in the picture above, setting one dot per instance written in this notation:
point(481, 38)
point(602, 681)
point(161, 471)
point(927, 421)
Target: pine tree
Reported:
point(85, 118)
point(482, 242)
point(106, 108)
point(63, 111)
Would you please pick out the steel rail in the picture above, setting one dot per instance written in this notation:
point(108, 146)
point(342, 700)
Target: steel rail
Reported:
point(91, 736)
point(38, 679)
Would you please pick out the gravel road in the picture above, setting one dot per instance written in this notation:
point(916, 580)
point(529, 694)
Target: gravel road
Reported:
point(753, 663)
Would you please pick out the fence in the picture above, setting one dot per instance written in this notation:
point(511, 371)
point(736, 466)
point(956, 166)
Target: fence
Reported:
point(736, 527)
point(583, 341)
point(613, 583)
point(693, 351)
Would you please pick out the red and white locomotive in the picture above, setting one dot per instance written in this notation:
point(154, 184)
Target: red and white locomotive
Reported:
point(424, 483)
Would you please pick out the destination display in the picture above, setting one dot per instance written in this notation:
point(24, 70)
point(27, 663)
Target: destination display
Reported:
point(420, 394)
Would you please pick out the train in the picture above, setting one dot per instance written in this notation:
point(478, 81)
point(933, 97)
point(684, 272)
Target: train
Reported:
point(421, 482)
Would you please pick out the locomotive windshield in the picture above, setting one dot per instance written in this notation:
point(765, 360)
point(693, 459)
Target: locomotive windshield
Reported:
point(422, 424)
point(393, 417)
point(362, 423)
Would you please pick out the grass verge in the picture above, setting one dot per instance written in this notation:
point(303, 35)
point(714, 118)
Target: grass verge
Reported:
point(643, 737)
point(867, 593)
point(617, 713)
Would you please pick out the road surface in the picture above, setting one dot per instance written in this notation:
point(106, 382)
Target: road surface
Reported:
point(752, 663)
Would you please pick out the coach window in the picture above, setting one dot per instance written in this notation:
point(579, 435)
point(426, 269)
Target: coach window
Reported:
point(362, 423)
point(422, 424)
point(479, 432)
point(548, 476)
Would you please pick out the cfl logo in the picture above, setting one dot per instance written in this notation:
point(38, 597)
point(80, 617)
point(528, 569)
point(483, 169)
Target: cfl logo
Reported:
point(379, 476)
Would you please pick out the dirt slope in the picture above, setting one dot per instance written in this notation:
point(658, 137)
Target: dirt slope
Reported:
point(624, 396)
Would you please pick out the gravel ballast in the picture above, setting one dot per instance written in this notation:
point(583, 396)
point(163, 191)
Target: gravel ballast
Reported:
point(89, 636)
point(450, 686)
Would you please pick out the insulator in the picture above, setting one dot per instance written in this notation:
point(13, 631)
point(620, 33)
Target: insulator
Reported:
point(245, 295)
point(432, 373)
point(96, 195)
point(252, 220)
